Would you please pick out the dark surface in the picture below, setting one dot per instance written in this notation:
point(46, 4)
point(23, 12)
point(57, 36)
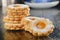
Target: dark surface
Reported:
point(19, 1)
point(52, 14)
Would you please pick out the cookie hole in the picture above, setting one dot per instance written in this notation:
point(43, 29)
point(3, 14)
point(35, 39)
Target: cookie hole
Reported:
point(32, 18)
point(16, 5)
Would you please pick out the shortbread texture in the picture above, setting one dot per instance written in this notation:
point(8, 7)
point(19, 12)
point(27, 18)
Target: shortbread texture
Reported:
point(15, 14)
point(18, 10)
point(38, 26)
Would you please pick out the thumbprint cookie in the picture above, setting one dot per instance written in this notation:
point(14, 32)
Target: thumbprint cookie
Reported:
point(38, 26)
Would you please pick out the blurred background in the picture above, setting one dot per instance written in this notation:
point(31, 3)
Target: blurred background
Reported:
point(33, 3)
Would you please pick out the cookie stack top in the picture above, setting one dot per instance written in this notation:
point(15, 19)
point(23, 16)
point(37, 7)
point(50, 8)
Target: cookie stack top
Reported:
point(20, 10)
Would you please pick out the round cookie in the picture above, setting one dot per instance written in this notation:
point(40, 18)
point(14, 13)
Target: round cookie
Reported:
point(38, 26)
point(18, 10)
point(15, 19)
point(10, 26)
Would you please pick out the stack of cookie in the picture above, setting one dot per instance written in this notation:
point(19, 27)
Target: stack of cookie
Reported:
point(14, 16)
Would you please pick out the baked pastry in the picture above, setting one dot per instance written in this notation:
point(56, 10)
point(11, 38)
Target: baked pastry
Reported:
point(14, 16)
point(7, 18)
point(18, 10)
point(10, 26)
point(16, 19)
point(38, 26)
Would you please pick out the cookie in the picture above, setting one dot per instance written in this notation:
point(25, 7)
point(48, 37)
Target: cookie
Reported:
point(15, 19)
point(38, 26)
point(7, 18)
point(18, 10)
point(14, 22)
point(11, 26)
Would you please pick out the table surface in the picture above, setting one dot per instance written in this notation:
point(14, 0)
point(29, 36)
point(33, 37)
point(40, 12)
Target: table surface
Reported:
point(52, 14)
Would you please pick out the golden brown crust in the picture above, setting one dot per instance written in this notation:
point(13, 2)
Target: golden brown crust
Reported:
point(14, 22)
point(28, 27)
point(13, 26)
point(23, 14)
point(18, 11)
point(7, 18)
point(39, 33)
point(15, 19)
point(15, 14)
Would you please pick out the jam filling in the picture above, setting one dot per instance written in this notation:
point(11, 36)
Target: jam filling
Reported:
point(41, 25)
